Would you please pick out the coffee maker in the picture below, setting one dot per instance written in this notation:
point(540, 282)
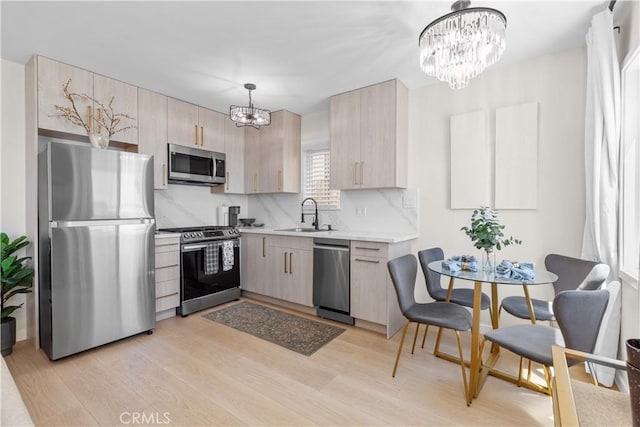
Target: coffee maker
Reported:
point(234, 212)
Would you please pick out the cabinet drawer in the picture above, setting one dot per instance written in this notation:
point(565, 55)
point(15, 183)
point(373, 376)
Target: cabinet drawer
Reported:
point(305, 243)
point(167, 302)
point(171, 272)
point(167, 288)
point(166, 259)
point(167, 247)
point(369, 249)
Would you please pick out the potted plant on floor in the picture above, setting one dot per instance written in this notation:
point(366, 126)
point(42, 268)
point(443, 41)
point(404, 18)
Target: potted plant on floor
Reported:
point(486, 234)
point(17, 278)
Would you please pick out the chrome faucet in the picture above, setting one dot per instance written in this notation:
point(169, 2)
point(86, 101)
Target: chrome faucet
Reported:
point(315, 223)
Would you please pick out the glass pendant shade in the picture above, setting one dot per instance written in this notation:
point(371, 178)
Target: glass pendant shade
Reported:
point(249, 116)
point(458, 46)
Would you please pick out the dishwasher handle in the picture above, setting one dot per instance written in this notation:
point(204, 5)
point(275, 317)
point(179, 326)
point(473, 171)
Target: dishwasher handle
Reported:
point(321, 242)
point(331, 248)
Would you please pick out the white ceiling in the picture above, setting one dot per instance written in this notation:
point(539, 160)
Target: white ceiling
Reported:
point(298, 53)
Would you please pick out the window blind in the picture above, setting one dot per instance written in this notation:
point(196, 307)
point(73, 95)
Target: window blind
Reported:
point(316, 179)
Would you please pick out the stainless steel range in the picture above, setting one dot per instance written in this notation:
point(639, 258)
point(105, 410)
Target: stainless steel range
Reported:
point(210, 267)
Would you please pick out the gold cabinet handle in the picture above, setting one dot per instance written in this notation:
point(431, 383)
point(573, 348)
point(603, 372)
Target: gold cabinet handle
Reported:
point(164, 174)
point(227, 180)
point(264, 254)
point(355, 173)
point(367, 260)
point(202, 136)
point(361, 173)
point(99, 120)
point(196, 136)
point(285, 263)
point(255, 182)
point(290, 262)
point(89, 118)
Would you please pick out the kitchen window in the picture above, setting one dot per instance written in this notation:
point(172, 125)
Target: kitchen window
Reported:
point(630, 168)
point(316, 179)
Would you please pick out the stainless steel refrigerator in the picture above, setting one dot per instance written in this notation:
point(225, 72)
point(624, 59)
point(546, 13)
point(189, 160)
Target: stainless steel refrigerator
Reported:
point(96, 246)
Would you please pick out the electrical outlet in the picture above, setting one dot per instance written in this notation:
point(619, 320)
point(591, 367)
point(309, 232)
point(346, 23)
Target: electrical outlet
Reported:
point(409, 202)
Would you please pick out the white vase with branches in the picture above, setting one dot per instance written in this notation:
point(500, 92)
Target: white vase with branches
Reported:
point(106, 118)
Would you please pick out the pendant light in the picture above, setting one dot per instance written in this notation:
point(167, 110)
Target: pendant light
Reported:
point(458, 46)
point(249, 116)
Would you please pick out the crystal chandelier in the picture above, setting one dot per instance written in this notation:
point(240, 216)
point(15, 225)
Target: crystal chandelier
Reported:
point(456, 47)
point(249, 116)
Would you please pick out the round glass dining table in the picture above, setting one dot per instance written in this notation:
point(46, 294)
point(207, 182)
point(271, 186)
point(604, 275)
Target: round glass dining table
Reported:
point(478, 370)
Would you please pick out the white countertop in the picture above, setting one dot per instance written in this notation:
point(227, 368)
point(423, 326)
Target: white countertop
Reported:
point(366, 236)
point(165, 235)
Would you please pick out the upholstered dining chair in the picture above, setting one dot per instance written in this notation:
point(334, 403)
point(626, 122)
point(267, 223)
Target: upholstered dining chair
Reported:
point(438, 293)
point(403, 271)
point(573, 273)
point(578, 313)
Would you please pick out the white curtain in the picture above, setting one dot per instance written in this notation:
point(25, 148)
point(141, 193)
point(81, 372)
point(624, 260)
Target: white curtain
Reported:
point(602, 145)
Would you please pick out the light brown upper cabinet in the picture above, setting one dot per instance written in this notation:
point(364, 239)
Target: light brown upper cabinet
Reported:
point(152, 132)
point(234, 146)
point(272, 155)
point(369, 137)
point(125, 101)
point(194, 126)
point(53, 75)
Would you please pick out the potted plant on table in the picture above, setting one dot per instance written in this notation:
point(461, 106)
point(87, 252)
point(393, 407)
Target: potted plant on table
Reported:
point(486, 234)
point(17, 278)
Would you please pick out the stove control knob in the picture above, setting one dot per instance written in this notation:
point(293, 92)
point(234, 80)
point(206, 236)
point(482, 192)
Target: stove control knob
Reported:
point(200, 234)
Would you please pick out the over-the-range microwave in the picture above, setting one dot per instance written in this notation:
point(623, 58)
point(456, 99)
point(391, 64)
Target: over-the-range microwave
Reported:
point(195, 166)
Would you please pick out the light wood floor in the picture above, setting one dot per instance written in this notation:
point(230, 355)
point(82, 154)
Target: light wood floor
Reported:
point(195, 372)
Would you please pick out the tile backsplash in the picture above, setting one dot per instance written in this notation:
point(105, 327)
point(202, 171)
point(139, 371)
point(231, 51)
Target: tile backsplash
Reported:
point(388, 210)
point(191, 206)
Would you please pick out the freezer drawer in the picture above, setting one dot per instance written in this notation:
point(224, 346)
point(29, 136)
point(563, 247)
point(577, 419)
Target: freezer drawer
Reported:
point(102, 284)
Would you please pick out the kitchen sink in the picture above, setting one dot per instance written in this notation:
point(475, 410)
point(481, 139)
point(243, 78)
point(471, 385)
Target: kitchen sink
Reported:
point(300, 230)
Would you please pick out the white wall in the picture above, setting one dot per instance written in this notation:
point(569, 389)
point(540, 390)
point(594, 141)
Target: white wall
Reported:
point(12, 166)
point(557, 84)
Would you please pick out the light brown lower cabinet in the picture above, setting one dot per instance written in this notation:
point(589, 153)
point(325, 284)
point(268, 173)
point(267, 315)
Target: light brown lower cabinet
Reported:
point(167, 255)
point(278, 267)
point(282, 267)
point(254, 263)
point(373, 297)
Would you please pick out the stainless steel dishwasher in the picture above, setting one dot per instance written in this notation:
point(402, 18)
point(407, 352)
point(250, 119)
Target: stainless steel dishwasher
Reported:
point(331, 283)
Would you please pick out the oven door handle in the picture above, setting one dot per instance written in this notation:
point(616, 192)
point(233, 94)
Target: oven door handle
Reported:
point(191, 248)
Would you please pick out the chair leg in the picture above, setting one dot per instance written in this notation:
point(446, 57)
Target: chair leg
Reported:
point(529, 372)
point(415, 337)
point(424, 337)
point(547, 377)
point(520, 372)
point(464, 373)
point(437, 346)
point(404, 333)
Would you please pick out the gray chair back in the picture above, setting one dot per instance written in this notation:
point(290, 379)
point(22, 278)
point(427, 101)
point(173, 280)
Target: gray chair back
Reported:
point(432, 279)
point(403, 271)
point(579, 315)
point(574, 273)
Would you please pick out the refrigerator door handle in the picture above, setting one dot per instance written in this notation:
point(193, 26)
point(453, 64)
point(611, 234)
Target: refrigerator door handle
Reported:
point(65, 224)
